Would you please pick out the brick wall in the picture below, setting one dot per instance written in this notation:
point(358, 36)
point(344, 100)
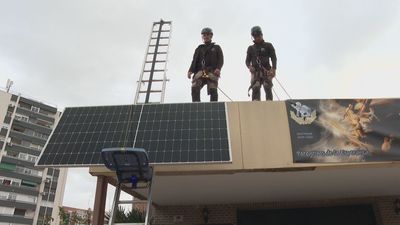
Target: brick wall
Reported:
point(226, 214)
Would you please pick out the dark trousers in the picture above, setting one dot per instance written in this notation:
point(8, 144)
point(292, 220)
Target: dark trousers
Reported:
point(199, 82)
point(259, 78)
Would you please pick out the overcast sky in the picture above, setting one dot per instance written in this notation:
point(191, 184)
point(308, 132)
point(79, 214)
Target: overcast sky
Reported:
point(77, 53)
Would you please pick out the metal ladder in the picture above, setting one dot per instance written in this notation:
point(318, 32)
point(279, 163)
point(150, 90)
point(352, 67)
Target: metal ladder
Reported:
point(153, 79)
point(117, 202)
point(133, 168)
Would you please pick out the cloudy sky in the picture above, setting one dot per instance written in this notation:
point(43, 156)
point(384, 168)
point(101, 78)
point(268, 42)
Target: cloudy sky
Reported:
point(77, 53)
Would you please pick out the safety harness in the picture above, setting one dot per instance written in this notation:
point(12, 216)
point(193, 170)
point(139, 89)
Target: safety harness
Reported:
point(204, 69)
point(265, 71)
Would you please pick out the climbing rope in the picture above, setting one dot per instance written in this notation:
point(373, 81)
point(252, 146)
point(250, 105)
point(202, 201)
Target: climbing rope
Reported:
point(225, 94)
point(283, 88)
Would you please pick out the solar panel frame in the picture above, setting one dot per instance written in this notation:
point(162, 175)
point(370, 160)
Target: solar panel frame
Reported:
point(142, 106)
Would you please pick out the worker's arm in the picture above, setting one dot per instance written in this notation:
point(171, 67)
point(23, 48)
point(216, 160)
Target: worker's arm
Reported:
point(193, 64)
point(248, 60)
point(248, 57)
point(220, 62)
point(273, 57)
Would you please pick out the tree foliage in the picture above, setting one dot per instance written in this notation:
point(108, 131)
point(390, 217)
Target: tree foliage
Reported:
point(125, 216)
point(74, 218)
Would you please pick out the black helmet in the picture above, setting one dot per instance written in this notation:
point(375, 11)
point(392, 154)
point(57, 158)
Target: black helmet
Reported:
point(256, 31)
point(206, 30)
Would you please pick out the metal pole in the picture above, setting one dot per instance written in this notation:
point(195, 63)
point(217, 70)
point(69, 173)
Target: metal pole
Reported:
point(153, 64)
point(115, 204)
point(148, 207)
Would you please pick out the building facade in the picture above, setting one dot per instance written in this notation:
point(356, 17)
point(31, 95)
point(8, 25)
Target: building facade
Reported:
point(264, 185)
point(28, 195)
point(75, 216)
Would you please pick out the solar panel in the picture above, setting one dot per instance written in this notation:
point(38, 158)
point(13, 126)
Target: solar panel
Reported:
point(170, 133)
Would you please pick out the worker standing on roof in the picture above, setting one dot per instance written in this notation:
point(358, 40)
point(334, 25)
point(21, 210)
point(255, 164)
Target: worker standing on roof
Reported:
point(207, 62)
point(258, 61)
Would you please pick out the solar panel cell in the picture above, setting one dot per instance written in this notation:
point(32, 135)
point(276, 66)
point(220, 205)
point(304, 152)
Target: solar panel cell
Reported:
point(170, 133)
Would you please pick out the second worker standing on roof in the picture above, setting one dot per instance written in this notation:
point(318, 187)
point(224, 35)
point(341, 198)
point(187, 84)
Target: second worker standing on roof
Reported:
point(207, 62)
point(257, 60)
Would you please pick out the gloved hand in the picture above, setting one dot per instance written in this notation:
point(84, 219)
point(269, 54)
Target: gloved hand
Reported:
point(217, 72)
point(251, 69)
point(189, 74)
point(273, 72)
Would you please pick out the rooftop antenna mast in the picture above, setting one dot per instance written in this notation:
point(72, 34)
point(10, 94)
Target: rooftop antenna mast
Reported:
point(153, 78)
point(9, 84)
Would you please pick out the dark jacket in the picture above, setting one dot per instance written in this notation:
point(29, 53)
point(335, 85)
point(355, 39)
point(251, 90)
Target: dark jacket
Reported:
point(212, 55)
point(264, 51)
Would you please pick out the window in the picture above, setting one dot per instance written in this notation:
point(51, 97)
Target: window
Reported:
point(35, 109)
point(25, 143)
point(32, 158)
point(29, 184)
point(36, 147)
point(6, 182)
point(15, 183)
point(23, 156)
point(21, 118)
point(19, 212)
point(44, 123)
point(10, 181)
point(28, 171)
point(39, 135)
point(18, 129)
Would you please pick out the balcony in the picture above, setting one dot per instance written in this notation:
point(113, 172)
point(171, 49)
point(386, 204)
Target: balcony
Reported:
point(33, 126)
point(28, 137)
point(19, 189)
point(8, 218)
point(18, 174)
point(24, 149)
point(26, 111)
point(17, 161)
point(17, 204)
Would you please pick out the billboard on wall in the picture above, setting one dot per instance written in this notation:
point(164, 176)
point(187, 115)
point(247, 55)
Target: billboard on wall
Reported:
point(344, 130)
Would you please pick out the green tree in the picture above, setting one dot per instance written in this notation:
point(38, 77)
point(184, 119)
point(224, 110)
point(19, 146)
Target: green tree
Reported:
point(74, 218)
point(135, 216)
point(122, 216)
point(87, 219)
point(64, 216)
point(47, 220)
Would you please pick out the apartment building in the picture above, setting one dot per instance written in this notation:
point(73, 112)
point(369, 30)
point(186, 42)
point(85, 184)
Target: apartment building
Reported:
point(28, 195)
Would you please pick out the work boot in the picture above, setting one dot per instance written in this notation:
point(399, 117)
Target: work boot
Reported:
point(195, 94)
point(213, 95)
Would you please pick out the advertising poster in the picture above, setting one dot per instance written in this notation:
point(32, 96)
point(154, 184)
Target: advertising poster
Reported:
point(344, 130)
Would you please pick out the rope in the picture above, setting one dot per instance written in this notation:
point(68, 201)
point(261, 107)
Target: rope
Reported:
point(129, 124)
point(276, 94)
point(225, 94)
point(283, 88)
